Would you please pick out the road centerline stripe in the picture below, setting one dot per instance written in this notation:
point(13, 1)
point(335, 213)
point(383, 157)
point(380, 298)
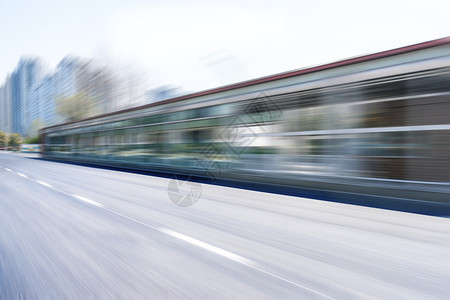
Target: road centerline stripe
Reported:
point(208, 247)
point(224, 253)
point(87, 200)
point(44, 184)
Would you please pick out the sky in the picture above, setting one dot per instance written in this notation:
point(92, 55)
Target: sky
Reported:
point(197, 45)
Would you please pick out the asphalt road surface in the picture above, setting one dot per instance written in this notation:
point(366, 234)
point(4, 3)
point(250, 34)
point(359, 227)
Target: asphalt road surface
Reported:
point(75, 232)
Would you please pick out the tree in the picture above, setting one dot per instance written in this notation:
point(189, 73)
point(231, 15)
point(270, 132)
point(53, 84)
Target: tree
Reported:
point(33, 140)
point(3, 140)
point(75, 107)
point(15, 140)
point(35, 126)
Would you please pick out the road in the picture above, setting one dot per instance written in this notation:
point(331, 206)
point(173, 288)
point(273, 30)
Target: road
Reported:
point(76, 232)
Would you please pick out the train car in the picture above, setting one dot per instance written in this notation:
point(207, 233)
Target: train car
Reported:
point(378, 124)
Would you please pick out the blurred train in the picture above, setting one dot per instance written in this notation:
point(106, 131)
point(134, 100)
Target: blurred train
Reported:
point(378, 124)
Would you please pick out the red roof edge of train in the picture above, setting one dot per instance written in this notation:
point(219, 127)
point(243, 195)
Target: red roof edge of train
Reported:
point(340, 63)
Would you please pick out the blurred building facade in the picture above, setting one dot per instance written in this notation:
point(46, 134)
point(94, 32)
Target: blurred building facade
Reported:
point(6, 106)
point(26, 76)
point(31, 99)
point(17, 101)
point(161, 93)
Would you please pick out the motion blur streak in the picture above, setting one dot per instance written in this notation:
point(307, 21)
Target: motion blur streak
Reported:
point(54, 246)
point(376, 125)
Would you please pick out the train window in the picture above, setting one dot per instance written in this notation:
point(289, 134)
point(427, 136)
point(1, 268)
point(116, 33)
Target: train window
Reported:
point(149, 138)
point(135, 122)
point(189, 114)
point(118, 137)
point(131, 136)
point(386, 89)
point(430, 84)
point(263, 111)
point(199, 136)
point(382, 144)
point(147, 120)
point(383, 114)
point(172, 116)
point(202, 112)
point(311, 118)
point(342, 95)
point(292, 101)
point(141, 137)
point(154, 119)
point(308, 100)
point(224, 109)
point(345, 115)
point(181, 115)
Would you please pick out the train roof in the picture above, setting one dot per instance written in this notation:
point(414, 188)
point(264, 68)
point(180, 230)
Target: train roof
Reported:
point(288, 74)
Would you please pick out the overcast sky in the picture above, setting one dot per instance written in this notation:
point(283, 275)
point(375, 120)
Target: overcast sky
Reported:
point(203, 44)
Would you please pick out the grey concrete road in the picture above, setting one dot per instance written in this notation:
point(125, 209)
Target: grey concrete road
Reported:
point(73, 232)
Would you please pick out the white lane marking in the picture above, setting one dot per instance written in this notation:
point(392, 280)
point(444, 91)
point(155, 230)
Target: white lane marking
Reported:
point(235, 257)
point(208, 247)
point(44, 184)
point(23, 175)
point(87, 200)
point(185, 238)
point(72, 195)
point(242, 260)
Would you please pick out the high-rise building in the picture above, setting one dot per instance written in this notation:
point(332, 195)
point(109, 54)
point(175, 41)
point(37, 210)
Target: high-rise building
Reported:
point(43, 106)
point(6, 109)
point(24, 79)
point(28, 99)
point(69, 76)
point(3, 111)
point(161, 93)
point(48, 105)
point(77, 76)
